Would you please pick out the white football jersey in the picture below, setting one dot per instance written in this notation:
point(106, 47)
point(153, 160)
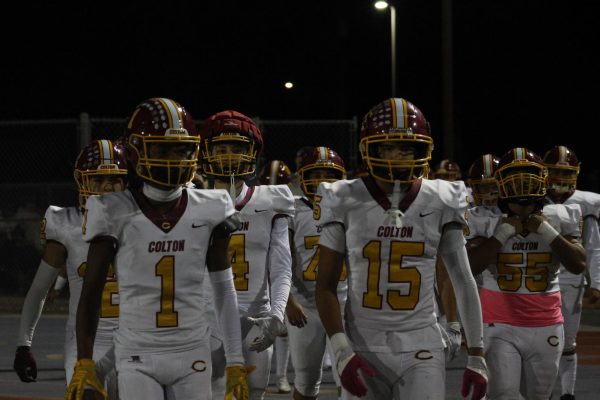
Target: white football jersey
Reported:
point(481, 221)
point(526, 263)
point(63, 225)
point(160, 264)
point(590, 207)
point(391, 269)
point(249, 246)
point(306, 257)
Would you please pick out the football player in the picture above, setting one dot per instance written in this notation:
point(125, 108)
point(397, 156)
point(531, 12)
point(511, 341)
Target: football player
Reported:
point(295, 183)
point(259, 251)
point(563, 169)
point(100, 168)
point(161, 238)
point(276, 172)
point(446, 305)
point(308, 340)
point(484, 191)
point(520, 296)
point(390, 226)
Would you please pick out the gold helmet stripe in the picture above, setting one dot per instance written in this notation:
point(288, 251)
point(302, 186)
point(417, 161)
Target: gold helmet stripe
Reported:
point(323, 153)
point(562, 155)
point(137, 110)
point(399, 114)
point(520, 153)
point(487, 165)
point(173, 113)
point(106, 151)
point(274, 169)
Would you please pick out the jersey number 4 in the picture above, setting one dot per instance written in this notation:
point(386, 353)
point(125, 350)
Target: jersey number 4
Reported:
point(396, 274)
point(310, 274)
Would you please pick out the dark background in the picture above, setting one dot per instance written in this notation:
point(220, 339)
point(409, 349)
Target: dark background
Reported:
point(525, 72)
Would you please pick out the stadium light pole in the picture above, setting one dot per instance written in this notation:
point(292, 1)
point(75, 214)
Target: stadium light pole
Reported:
point(382, 5)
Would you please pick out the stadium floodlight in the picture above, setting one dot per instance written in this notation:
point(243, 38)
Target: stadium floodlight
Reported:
point(382, 5)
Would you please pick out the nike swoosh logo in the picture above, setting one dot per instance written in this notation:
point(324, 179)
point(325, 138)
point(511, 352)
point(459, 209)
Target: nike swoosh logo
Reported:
point(197, 226)
point(425, 214)
point(259, 211)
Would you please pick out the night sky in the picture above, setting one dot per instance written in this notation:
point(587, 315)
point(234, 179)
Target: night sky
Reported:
point(526, 73)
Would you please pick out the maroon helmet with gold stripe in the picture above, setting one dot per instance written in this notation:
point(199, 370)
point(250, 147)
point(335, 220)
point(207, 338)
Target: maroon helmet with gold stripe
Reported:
point(100, 159)
point(276, 172)
point(396, 121)
point(324, 160)
point(480, 177)
point(447, 170)
point(563, 170)
point(162, 142)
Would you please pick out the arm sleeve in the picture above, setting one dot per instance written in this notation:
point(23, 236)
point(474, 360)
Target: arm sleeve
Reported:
point(280, 266)
point(225, 300)
point(34, 302)
point(591, 243)
point(333, 237)
point(454, 254)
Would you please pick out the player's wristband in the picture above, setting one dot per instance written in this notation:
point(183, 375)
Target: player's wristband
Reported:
point(547, 231)
point(504, 231)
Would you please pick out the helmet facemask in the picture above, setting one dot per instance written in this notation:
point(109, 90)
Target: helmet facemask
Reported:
point(168, 161)
point(522, 183)
point(312, 175)
point(399, 156)
point(562, 179)
point(485, 192)
point(229, 155)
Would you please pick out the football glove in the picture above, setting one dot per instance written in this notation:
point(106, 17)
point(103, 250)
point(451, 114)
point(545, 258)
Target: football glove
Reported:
point(475, 376)
point(24, 364)
point(271, 327)
point(237, 382)
point(452, 337)
point(84, 378)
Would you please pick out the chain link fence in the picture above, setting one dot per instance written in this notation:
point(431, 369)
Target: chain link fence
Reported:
point(37, 171)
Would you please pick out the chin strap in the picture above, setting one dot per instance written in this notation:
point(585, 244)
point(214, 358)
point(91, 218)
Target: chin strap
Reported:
point(161, 195)
point(394, 215)
point(232, 192)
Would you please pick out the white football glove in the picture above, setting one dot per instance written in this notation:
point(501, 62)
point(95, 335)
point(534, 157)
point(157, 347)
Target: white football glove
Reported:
point(271, 327)
point(452, 337)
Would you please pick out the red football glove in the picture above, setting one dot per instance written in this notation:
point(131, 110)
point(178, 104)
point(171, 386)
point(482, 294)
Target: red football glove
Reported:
point(24, 364)
point(351, 380)
point(475, 376)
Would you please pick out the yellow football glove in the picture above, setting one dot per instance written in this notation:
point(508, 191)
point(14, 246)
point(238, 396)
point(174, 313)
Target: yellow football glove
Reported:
point(237, 382)
point(84, 378)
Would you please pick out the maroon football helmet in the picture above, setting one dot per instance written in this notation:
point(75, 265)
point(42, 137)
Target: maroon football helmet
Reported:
point(276, 172)
point(521, 176)
point(231, 144)
point(162, 142)
point(447, 170)
point(321, 164)
point(96, 162)
point(563, 170)
point(396, 142)
point(480, 178)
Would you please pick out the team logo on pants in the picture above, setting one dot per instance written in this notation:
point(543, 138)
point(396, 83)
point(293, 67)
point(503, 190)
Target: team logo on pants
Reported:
point(553, 341)
point(199, 366)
